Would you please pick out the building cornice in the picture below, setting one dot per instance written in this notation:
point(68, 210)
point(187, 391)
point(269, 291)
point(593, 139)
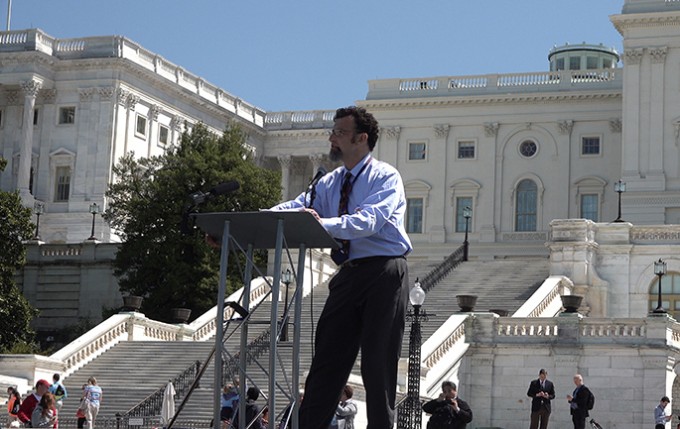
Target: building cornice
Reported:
point(644, 20)
point(553, 98)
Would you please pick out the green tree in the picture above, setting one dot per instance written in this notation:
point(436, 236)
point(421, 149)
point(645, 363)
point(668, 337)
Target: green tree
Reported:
point(157, 259)
point(15, 311)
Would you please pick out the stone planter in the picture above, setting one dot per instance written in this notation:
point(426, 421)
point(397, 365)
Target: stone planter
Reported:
point(500, 312)
point(571, 303)
point(132, 303)
point(180, 315)
point(466, 302)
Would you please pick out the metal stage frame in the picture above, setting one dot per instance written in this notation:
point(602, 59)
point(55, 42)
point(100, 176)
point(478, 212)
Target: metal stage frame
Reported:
point(245, 232)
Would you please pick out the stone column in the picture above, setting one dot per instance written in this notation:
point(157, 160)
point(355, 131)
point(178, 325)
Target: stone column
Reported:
point(154, 111)
point(285, 161)
point(30, 89)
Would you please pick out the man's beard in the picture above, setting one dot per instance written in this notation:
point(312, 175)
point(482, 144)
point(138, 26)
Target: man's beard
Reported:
point(335, 154)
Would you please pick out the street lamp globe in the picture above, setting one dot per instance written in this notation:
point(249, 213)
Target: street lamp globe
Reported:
point(416, 295)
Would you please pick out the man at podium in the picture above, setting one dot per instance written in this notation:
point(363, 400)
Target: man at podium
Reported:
point(362, 205)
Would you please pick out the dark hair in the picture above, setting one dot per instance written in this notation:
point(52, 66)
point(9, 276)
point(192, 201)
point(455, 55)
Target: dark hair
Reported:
point(450, 384)
point(348, 391)
point(364, 122)
point(253, 393)
point(55, 377)
point(665, 399)
point(542, 371)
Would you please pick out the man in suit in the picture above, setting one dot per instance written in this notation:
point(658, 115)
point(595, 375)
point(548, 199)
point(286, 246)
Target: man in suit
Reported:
point(579, 403)
point(541, 391)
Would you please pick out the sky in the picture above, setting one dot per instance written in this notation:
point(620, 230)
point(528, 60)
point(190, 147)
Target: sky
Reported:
point(320, 54)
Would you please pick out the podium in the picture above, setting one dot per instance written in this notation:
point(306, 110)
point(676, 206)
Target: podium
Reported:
point(248, 231)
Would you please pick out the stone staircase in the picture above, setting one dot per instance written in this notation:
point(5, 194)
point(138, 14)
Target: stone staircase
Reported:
point(131, 371)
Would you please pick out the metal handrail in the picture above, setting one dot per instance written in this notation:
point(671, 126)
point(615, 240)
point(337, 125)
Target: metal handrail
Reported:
point(441, 270)
point(152, 404)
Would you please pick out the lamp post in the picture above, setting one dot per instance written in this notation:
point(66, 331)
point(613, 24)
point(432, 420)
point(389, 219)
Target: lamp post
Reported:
point(38, 209)
point(467, 214)
point(619, 188)
point(412, 415)
point(94, 209)
point(659, 270)
point(286, 278)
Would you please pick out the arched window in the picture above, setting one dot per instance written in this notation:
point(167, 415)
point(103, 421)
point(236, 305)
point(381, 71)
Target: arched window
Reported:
point(526, 203)
point(670, 294)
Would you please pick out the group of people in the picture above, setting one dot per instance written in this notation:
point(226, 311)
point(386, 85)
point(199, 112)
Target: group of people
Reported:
point(542, 391)
point(40, 409)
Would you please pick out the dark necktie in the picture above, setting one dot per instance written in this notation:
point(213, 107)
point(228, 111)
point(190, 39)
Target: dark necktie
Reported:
point(340, 255)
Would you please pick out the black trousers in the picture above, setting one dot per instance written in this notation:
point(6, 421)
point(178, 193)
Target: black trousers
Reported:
point(365, 310)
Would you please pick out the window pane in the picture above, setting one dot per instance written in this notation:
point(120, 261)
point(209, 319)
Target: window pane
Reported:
point(559, 64)
point(466, 150)
point(141, 125)
point(416, 151)
point(461, 203)
point(589, 207)
point(67, 115)
point(526, 206)
point(163, 135)
point(414, 215)
point(574, 63)
point(63, 183)
point(590, 145)
point(591, 63)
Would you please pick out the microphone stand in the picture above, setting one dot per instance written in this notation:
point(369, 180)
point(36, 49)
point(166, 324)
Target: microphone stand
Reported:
point(311, 191)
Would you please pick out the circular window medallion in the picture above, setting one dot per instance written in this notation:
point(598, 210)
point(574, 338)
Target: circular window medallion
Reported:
point(528, 148)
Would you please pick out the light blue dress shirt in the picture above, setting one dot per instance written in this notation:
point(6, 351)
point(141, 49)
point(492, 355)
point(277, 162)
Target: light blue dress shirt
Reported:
point(375, 220)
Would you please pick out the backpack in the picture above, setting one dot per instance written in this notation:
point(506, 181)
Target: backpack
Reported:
point(59, 392)
point(16, 406)
point(591, 400)
point(441, 419)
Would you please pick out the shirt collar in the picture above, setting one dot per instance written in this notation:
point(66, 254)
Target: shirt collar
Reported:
point(360, 165)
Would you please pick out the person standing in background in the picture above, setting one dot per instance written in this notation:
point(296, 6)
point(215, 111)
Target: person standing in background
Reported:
point(541, 391)
point(92, 397)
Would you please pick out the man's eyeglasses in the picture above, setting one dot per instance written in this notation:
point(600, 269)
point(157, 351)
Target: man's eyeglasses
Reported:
point(340, 133)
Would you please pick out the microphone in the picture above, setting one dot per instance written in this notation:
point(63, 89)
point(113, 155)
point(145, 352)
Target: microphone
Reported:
point(199, 197)
point(319, 174)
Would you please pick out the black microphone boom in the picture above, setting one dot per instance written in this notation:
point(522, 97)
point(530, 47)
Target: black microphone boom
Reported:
point(221, 189)
point(319, 174)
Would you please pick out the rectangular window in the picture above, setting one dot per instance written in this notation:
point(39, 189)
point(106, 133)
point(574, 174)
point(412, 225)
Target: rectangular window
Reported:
point(35, 116)
point(140, 126)
point(62, 183)
point(414, 215)
point(67, 115)
point(590, 146)
point(416, 151)
point(574, 63)
point(589, 207)
point(559, 64)
point(591, 63)
point(163, 135)
point(466, 150)
point(461, 203)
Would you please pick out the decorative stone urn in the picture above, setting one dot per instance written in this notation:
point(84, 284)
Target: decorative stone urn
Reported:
point(571, 303)
point(132, 302)
point(180, 315)
point(466, 302)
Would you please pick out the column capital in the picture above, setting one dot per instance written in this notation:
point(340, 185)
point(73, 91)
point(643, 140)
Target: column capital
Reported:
point(285, 160)
point(31, 87)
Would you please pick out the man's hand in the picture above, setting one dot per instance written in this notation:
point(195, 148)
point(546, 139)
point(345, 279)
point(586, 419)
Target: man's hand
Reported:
point(315, 214)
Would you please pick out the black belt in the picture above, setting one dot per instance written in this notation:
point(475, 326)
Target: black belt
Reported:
point(353, 263)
